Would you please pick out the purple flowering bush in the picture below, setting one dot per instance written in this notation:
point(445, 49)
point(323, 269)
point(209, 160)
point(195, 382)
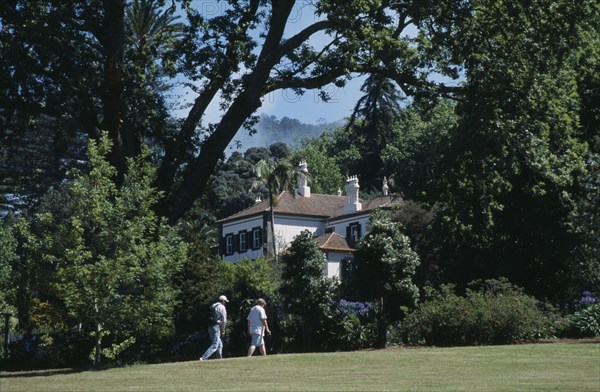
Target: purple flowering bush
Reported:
point(587, 299)
point(585, 322)
point(361, 310)
point(357, 325)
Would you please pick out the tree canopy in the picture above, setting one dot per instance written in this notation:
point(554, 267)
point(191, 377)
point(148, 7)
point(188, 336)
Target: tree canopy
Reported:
point(112, 259)
point(115, 58)
point(519, 149)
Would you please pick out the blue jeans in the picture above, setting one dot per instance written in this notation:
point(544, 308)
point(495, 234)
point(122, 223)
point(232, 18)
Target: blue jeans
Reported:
point(216, 342)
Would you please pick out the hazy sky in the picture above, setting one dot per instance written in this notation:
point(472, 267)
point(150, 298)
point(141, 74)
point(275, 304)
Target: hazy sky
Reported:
point(308, 108)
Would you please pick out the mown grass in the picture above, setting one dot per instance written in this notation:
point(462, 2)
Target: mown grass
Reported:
point(522, 368)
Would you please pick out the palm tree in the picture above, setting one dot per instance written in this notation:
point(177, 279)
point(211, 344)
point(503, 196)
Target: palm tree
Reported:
point(150, 25)
point(276, 176)
point(372, 121)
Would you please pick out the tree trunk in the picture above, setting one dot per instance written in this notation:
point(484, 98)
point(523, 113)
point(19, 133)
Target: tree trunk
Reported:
point(125, 143)
point(381, 326)
point(114, 35)
point(98, 349)
point(197, 174)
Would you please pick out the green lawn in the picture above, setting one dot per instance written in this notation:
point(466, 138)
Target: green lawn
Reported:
point(561, 367)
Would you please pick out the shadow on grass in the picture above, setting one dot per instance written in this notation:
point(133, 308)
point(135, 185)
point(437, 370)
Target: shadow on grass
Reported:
point(40, 373)
point(53, 372)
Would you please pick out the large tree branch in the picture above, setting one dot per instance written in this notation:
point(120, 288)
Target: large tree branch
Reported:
point(197, 174)
point(294, 42)
point(306, 64)
point(178, 149)
point(269, 55)
point(309, 82)
point(409, 83)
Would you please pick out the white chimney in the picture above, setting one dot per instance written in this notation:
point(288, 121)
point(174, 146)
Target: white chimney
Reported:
point(352, 202)
point(258, 200)
point(386, 188)
point(303, 188)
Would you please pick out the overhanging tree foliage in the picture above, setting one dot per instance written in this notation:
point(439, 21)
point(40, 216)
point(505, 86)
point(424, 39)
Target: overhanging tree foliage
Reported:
point(107, 63)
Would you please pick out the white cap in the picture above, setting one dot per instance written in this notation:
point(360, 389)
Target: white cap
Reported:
point(223, 298)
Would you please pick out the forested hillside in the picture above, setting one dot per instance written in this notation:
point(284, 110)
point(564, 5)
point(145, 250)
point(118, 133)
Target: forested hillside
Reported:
point(290, 131)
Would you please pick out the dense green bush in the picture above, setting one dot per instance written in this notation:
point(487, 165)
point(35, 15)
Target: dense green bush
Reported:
point(583, 323)
point(490, 312)
point(344, 325)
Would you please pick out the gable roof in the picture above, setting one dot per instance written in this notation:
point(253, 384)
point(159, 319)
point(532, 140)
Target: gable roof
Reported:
point(317, 205)
point(333, 242)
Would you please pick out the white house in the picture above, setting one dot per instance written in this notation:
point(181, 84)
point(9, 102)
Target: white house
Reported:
point(337, 223)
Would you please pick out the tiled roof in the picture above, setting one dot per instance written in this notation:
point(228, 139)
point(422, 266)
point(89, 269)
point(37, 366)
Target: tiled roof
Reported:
point(333, 242)
point(317, 205)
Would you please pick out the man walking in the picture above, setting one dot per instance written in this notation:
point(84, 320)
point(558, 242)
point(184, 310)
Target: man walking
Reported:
point(216, 329)
point(257, 326)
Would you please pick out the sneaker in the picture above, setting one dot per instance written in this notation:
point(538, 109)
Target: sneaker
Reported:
point(202, 359)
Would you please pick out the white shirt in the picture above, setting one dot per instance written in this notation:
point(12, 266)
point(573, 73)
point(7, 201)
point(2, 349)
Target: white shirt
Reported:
point(256, 316)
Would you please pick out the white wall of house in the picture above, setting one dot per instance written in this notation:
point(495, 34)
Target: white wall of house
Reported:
point(334, 263)
point(233, 228)
point(288, 227)
point(237, 226)
point(333, 269)
point(339, 225)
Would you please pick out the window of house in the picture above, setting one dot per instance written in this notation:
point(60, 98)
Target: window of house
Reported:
point(242, 241)
point(229, 244)
point(353, 232)
point(256, 238)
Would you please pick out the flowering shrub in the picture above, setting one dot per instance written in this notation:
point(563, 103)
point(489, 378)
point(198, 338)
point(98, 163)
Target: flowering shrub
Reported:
point(354, 325)
point(585, 322)
point(587, 299)
point(359, 309)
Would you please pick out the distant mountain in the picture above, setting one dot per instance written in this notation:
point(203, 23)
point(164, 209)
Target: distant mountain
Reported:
point(270, 130)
